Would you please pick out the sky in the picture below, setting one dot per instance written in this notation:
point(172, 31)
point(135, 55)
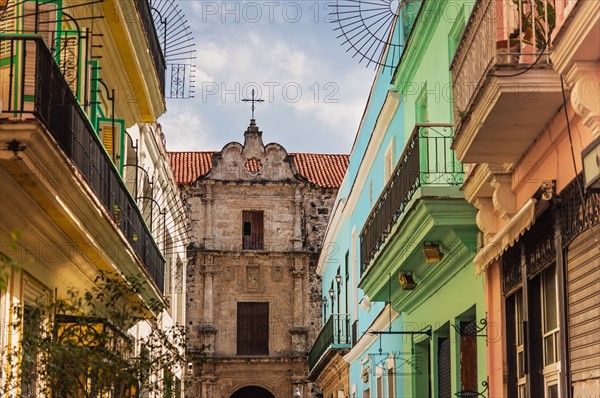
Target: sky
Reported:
point(314, 91)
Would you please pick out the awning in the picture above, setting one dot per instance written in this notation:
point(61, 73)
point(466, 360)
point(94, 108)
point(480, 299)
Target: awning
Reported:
point(506, 237)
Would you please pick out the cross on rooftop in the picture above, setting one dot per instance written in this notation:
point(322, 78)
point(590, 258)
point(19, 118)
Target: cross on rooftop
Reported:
point(252, 100)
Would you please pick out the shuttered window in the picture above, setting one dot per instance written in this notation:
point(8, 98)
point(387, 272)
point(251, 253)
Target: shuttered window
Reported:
point(468, 356)
point(444, 375)
point(252, 230)
point(253, 328)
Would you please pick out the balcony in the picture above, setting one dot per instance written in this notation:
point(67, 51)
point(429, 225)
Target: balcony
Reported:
point(335, 335)
point(35, 91)
point(504, 86)
point(427, 160)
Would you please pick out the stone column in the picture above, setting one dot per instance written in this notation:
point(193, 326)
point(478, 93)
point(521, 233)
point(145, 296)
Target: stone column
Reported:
point(297, 220)
point(208, 219)
point(207, 328)
point(299, 330)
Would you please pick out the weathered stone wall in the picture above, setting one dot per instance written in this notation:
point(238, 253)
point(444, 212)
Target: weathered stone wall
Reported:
point(221, 274)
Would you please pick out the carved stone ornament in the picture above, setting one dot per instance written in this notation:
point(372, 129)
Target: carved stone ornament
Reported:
point(503, 198)
point(583, 77)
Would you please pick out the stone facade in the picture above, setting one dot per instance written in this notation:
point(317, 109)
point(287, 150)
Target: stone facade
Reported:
point(221, 274)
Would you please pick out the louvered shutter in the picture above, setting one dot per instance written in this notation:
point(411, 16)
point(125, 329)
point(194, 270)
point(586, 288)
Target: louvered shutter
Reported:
point(444, 374)
point(107, 134)
point(583, 290)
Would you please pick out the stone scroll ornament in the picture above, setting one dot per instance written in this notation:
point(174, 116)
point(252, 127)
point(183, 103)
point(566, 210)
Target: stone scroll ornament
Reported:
point(374, 30)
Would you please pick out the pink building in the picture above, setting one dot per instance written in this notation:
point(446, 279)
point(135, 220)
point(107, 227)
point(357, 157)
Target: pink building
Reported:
point(526, 90)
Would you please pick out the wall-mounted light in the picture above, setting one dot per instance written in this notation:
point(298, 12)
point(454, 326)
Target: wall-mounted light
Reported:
point(432, 252)
point(190, 368)
point(297, 393)
point(338, 279)
point(406, 281)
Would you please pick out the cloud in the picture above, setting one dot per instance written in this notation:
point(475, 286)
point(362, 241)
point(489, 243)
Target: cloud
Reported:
point(314, 91)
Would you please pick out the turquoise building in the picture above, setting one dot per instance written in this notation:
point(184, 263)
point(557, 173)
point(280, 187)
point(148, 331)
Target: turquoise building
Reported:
point(404, 312)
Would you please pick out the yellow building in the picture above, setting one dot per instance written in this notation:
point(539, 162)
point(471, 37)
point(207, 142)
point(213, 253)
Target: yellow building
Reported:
point(74, 75)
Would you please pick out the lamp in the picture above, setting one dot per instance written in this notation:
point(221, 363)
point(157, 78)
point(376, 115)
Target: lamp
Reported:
point(331, 293)
point(297, 392)
point(406, 281)
point(338, 278)
point(590, 157)
point(432, 252)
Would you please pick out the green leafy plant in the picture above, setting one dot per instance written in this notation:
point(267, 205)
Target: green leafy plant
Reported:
point(7, 264)
point(79, 346)
point(540, 14)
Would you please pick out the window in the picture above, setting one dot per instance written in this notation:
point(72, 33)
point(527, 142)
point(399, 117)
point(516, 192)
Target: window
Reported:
point(421, 112)
point(389, 159)
point(423, 369)
point(456, 33)
point(520, 345)
point(391, 379)
point(31, 334)
point(468, 355)
point(550, 329)
point(252, 230)
point(379, 386)
point(444, 378)
point(253, 328)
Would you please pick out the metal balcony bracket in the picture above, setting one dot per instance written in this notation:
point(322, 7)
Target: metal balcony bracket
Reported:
point(474, 331)
point(474, 394)
point(376, 332)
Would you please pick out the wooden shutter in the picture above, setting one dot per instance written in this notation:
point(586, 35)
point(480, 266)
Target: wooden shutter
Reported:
point(444, 374)
point(253, 328)
point(468, 356)
point(107, 134)
point(252, 230)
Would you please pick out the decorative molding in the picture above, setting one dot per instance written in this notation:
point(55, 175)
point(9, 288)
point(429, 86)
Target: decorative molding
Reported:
point(486, 218)
point(583, 78)
point(503, 198)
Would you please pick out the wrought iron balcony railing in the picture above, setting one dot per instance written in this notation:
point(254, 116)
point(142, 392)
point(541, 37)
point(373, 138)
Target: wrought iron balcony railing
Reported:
point(34, 86)
point(157, 55)
point(512, 34)
point(335, 334)
point(427, 160)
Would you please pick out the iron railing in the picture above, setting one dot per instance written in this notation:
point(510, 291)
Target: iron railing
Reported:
point(513, 34)
point(335, 334)
point(427, 160)
point(37, 87)
point(158, 57)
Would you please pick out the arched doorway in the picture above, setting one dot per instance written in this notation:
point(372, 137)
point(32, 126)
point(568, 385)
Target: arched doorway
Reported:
point(252, 392)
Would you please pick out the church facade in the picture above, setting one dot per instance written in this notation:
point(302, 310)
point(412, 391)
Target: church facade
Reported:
point(254, 303)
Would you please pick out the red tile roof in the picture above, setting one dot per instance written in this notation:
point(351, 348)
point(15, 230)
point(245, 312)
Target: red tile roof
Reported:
point(324, 170)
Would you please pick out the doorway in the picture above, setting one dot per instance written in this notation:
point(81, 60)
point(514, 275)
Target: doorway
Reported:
point(252, 392)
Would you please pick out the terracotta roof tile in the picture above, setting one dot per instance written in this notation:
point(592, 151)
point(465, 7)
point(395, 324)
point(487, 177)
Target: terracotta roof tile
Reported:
point(324, 170)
